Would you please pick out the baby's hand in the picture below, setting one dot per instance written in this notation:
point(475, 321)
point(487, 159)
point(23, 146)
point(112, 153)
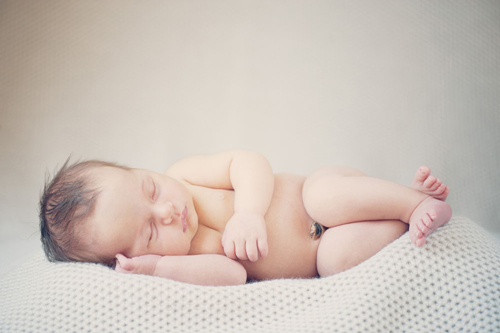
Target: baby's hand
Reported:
point(145, 264)
point(245, 236)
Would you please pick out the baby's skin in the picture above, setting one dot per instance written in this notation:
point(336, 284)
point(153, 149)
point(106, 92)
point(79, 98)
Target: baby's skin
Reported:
point(430, 214)
point(426, 212)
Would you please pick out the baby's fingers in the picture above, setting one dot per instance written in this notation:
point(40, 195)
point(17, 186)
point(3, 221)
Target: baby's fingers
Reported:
point(252, 253)
point(240, 249)
point(229, 250)
point(263, 247)
point(123, 264)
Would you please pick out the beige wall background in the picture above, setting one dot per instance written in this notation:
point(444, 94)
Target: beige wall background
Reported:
point(384, 86)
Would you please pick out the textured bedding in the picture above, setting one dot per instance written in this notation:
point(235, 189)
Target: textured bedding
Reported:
point(452, 284)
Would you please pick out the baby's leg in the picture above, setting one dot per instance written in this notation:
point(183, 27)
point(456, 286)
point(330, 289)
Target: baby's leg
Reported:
point(332, 198)
point(348, 245)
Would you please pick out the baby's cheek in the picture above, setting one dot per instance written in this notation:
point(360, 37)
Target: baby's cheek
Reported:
point(176, 247)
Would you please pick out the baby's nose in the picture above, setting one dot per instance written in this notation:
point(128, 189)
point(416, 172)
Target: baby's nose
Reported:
point(164, 212)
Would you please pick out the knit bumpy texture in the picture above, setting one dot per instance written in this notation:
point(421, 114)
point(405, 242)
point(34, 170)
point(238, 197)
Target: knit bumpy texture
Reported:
point(452, 284)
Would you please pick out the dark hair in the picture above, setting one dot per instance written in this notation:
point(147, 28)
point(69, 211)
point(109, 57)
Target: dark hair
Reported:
point(66, 201)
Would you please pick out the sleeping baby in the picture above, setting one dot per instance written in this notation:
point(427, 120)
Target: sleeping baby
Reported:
point(224, 219)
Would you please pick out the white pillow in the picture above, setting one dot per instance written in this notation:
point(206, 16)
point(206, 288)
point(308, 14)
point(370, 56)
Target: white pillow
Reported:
point(451, 284)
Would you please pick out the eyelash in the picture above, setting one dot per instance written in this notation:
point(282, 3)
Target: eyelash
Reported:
point(154, 191)
point(151, 235)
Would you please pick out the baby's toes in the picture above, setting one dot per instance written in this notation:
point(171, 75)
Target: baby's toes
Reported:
point(436, 185)
point(428, 220)
point(420, 242)
point(414, 234)
point(422, 173)
point(429, 182)
point(440, 190)
point(418, 232)
point(425, 225)
point(444, 195)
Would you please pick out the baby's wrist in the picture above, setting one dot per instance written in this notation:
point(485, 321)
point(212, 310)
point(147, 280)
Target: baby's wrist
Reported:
point(154, 264)
point(249, 212)
point(148, 263)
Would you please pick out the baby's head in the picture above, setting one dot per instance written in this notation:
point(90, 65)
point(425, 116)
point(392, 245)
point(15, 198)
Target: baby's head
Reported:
point(93, 210)
point(67, 202)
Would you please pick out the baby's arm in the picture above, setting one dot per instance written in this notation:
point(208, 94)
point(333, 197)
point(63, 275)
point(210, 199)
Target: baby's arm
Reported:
point(251, 177)
point(205, 269)
point(245, 234)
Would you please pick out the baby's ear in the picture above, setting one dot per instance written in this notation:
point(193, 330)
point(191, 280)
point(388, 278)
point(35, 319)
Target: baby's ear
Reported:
point(123, 264)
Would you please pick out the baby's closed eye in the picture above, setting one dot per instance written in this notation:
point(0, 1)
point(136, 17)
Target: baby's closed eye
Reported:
point(150, 232)
point(154, 190)
point(152, 228)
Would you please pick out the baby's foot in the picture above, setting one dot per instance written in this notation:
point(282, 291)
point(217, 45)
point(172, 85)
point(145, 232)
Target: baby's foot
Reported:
point(429, 185)
point(145, 264)
point(429, 215)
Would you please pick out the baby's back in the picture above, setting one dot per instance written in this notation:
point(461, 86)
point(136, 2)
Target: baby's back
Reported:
point(292, 252)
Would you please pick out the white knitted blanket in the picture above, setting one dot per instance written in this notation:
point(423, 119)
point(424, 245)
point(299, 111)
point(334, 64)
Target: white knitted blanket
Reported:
point(452, 284)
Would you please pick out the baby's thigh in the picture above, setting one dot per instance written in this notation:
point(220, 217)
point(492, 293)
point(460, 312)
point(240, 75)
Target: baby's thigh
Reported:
point(323, 173)
point(323, 189)
point(348, 245)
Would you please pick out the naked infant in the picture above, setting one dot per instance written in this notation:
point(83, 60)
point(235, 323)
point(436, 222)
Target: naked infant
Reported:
point(224, 219)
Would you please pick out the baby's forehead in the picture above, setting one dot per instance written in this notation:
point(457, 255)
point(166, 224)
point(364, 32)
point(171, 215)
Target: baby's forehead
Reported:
point(115, 184)
point(119, 199)
point(106, 178)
